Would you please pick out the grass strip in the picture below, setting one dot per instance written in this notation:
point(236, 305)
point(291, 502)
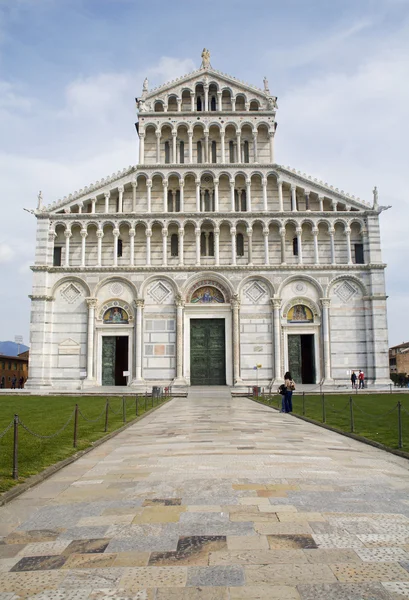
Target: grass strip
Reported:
point(45, 415)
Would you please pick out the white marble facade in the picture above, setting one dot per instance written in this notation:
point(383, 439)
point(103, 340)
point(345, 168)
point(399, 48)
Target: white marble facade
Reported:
point(208, 206)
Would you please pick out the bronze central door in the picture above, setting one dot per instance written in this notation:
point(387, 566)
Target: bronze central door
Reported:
point(207, 352)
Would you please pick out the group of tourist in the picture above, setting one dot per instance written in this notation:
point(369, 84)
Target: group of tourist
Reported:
point(358, 381)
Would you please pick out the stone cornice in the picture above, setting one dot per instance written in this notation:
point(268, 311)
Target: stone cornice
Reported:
point(41, 297)
point(206, 113)
point(195, 268)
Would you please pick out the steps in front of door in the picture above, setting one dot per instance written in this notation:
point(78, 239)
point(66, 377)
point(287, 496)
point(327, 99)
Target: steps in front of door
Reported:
point(199, 392)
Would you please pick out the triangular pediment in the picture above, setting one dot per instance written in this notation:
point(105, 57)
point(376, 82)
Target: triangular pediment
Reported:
point(69, 342)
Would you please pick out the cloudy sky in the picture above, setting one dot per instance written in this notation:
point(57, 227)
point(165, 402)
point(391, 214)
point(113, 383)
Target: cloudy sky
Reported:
point(70, 69)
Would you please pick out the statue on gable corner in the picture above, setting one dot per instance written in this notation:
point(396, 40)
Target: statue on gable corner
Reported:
point(145, 87)
point(266, 88)
point(40, 200)
point(205, 59)
point(375, 197)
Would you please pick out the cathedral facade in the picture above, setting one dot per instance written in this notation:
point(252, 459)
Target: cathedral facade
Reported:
point(207, 263)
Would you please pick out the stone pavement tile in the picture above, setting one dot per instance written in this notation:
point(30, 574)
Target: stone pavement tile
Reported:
point(166, 542)
point(82, 594)
point(10, 550)
point(247, 542)
point(39, 563)
point(92, 578)
point(159, 514)
point(256, 516)
point(193, 593)
point(36, 535)
point(224, 576)
point(142, 577)
point(300, 516)
point(249, 500)
point(397, 589)
point(84, 533)
point(325, 527)
point(371, 540)
point(275, 528)
point(120, 510)
point(86, 546)
point(271, 493)
point(343, 591)
point(131, 559)
point(242, 509)
point(206, 508)
point(370, 572)
point(256, 557)
point(337, 541)
point(44, 548)
point(282, 487)
point(90, 561)
point(278, 592)
point(106, 520)
point(27, 584)
point(63, 515)
point(285, 508)
point(249, 486)
point(121, 594)
point(163, 502)
point(404, 564)
point(169, 559)
point(289, 541)
point(382, 554)
point(211, 524)
point(6, 564)
point(293, 574)
point(332, 556)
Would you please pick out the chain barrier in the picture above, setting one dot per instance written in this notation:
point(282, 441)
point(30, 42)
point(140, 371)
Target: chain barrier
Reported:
point(119, 412)
point(91, 420)
point(9, 426)
point(47, 437)
point(404, 409)
point(335, 410)
point(376, 417)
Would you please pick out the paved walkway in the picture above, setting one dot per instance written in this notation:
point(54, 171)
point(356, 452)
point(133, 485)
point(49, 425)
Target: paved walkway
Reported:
point(214, 498)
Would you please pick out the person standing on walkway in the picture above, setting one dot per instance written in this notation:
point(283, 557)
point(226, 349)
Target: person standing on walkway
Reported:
point(361, 379)
point(13, 382)
point(353, 380)
point(288, 395)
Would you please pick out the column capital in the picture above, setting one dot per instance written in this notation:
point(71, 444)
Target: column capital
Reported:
point(364, 232)
point(331, 230)
point(197, 231)
point(248, 182)
point(266, 231)
point(293, 187)
point(181, 182)
point(197, 182)
point(141, 134)
point(131, 232)
point(233, 230)
point(192, 94)
point(134, 183)
point(84, 233)
point(165, 183)
point(67, 233)
point(179, 301)
point(276, 302)
point(264, 181)
point(190, 133)
point(158, 134)
point(232, 181)
point(115, 232)
point(325, 302)
point(222, 133)
point(164, 232)
point(107, 194)
point(249, 231)
point(235, 301)
point(92, 302)
point(347, 231)
point(121, 189)
point(100, 233)
point(174, 133)
point(280, 181)
point(271, 133)
point(216, 181)
point(282, 231)
point(149, 183)
point(181, 231)
point(315, 231)
point(216, 231)
point(139, 303)
point(148, 232)
point(298, 230)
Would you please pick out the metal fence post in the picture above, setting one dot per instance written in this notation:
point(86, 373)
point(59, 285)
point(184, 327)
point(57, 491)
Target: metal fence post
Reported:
point(75, 425)
point(106, 415)
point(136, 406)
point(123, 409)
point(400, 441)
point(324, 417)
point(351, 413)
point(303, 404)
point(15, 448)
point(390, 388)
point(146, 400)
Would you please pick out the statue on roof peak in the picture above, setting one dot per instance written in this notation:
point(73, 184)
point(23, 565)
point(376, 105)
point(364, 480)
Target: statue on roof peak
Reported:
point(375, 197)
point(40, 200)
point(205, 59)
point(266, 88)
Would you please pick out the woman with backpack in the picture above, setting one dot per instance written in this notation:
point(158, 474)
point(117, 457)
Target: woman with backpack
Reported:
point(286, 390)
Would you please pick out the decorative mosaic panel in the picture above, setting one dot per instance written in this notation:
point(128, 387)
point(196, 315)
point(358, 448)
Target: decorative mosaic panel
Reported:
point(207, 295)
point(159, 292)
point(116, 288)
point(346, 291)
point(255, 291)
point(71, 293)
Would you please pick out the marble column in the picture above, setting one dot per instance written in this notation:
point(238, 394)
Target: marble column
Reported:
point(250, 245)
point(197, 233)
point(84, 235)
point(141, 148)
point(233, 245)
point(158, 137)
point(271, 136)
point(238, 140)
point(92, 303)
point(233, 104)
point(181, 233)
point(148, 234)
point(182, 195)
point(100, 235)
point(134, 184)
point(139, 304)
point(223, 149)
point(248, 195)
point(325, 304)
point(264, 184)
point(255, 153)
point(233, 208)
point(365, 243)
point(192, 101)
point(115, 233)
point(202, 201)
point(331, 232)
point(80, 207)
point(165, 196)
point(216, 195)
point(179, 103)
point(179, 339)
point(206, 98)
point(316, 253)
point(174, 150)
point(190, 135)
point(348, 243)
point(173, 192)
point(149, 195)
point(266, 249)
point(107, 195)
point(216, 234)
point(298, 231)
point(321, 201)
point(206, 147)
point(235, 306)
point(307, 200)
point(219, 101)
point(334, 204)
point(120, 198)
point(280, 194)
point(282, 235)
point(293, 198)
point(198, 195)
point(276, 302)
point(164, 246)
point(93, 203)
point(132, 246)
point(67, 234)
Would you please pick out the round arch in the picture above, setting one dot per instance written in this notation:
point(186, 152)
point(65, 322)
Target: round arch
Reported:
point(119, 278)
point(153, 278)
point(297, 277)
point(71, 279)
point(251, 278)
point(205, 278)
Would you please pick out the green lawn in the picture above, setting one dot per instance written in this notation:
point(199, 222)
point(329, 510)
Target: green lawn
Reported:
point(375, 415)
point(45, 415)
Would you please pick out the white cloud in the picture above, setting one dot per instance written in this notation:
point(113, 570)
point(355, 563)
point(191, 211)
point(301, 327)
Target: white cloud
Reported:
point(6, 252)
